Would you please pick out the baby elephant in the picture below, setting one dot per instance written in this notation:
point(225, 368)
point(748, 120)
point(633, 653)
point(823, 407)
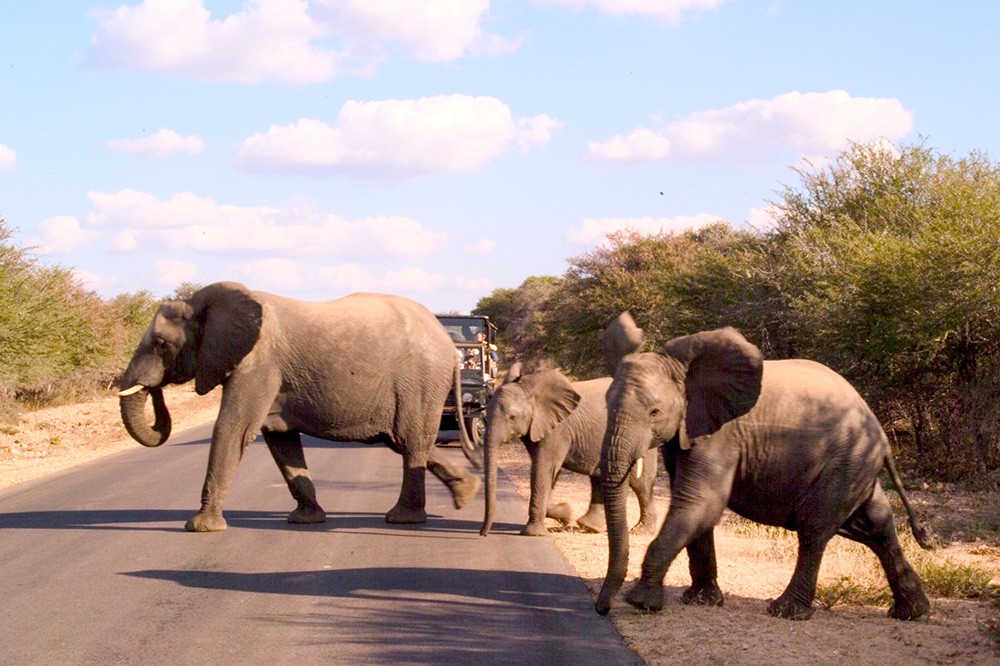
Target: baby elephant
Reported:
point(561, 423)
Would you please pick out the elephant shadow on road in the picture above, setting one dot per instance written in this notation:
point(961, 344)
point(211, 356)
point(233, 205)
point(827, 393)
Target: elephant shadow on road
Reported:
point(436, 615)
point(172, 520)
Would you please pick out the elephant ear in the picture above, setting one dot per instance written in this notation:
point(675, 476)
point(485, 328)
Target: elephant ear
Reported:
point(230, 321)
point(513, 374)
point(621, 338)
point(553, 398)
point(723, 378)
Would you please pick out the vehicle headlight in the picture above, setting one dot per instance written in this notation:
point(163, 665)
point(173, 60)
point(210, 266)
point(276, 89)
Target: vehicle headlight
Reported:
point(467, 397)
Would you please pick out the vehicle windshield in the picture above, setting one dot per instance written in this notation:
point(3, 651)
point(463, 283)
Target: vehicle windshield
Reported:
point(464, 329)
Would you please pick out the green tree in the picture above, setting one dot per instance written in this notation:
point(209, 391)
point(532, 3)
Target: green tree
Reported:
point(518, 316)
point(887, 263)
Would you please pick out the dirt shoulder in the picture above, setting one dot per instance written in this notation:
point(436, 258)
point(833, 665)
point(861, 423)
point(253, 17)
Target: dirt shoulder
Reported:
point(57, 438)
point(754, 565)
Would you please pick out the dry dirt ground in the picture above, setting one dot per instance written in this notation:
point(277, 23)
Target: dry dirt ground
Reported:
point(754, 566)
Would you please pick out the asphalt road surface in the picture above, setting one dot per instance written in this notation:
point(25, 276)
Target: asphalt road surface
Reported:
point(96, 568)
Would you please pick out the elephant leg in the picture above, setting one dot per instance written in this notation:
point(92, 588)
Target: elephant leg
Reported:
point(543, 478)
point(795, 603)
point(286, 449)
point(463, 484)
point(643, 489)
point(685, 523)
point(594, 520)
point(704, 590)
point(872, 525)
point(410, 508)
point(224, 456)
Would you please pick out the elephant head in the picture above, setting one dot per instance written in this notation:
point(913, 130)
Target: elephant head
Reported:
point(523, 406)
point(202, 338)
point(697, 384)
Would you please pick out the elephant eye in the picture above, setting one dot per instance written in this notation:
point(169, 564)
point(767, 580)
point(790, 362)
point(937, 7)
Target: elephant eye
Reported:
point(654, 412)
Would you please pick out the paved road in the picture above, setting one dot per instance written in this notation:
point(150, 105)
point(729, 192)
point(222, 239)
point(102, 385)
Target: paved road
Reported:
point(96, 568)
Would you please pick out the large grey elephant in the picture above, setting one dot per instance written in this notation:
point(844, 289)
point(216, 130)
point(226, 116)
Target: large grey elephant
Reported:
point(366, 367)
point(561, 424)
point(786, 443)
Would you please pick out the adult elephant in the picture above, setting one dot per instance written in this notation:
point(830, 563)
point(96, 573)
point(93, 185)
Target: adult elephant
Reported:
point(366, 367)
point(787, 443)
point(561, 424)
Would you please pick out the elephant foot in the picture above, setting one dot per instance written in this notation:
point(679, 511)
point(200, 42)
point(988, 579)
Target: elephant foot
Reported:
point(646, 596)
point(593, 520)
point(464, 490)
point(910, 609)
point(307, 514)
point(789, 609)
point(562, 512)
point(703, 595)
point(535, 529)
point(644, 527)
point(206, 522)
point(404, 515)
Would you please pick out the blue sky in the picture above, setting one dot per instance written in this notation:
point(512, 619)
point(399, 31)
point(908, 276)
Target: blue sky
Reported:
point(441, 149)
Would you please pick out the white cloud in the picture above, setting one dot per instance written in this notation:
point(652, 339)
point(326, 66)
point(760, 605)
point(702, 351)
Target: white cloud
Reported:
point(480, 285)
point(536, 130)
point(274, 274)
point(61, 234)
point(764, 218)
point(671, 12)
point(289, 41)
point(481, 247)
point(161, 144)
point(171, 272)
point(410, 279)
point(806, 123)
point(283, 275)
point(267, 40)
point(395, 138)
point(8, 158)
point(348, 277)
point(95, 281)
point(596, 231)
point(186, 222)
point(431, 30)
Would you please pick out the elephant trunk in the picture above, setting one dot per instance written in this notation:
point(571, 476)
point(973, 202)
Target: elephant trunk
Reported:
point(489, 478)
point(619, 453)
point(133, 408)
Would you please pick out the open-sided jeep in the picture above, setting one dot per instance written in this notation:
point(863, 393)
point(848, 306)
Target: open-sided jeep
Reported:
point(476, 352)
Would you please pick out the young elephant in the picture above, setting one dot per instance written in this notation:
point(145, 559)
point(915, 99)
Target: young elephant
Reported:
point(366, 367)
point(786, 443)
point(562, 426)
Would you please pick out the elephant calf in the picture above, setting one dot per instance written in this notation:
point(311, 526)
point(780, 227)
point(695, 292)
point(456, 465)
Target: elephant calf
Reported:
point(787, 443)
point(561, 423)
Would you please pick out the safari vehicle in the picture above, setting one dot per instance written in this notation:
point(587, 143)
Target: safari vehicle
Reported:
point(475, 345)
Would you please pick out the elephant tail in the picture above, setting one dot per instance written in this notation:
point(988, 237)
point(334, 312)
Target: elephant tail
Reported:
point(474, 454)
point(919, 533)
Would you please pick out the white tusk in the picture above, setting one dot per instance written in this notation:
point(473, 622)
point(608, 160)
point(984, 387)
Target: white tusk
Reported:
point(131, 390)
point(638, 466)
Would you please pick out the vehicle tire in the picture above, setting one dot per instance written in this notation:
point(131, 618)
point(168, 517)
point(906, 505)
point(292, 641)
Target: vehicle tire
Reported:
point(476, 426)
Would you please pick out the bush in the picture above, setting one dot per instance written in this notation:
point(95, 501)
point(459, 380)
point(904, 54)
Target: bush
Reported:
point(58, 341)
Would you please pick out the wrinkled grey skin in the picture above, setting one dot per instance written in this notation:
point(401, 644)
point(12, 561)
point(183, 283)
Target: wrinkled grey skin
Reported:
point(786, 443)
point(561, 424)
point(366, 367)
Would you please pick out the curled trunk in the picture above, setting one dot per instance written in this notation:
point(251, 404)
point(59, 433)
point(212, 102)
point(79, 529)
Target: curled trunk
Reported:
point(133, 408)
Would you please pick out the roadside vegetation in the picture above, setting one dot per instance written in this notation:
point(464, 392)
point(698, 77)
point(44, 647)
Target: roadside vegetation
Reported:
point(59, 342)
point(883, 264)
